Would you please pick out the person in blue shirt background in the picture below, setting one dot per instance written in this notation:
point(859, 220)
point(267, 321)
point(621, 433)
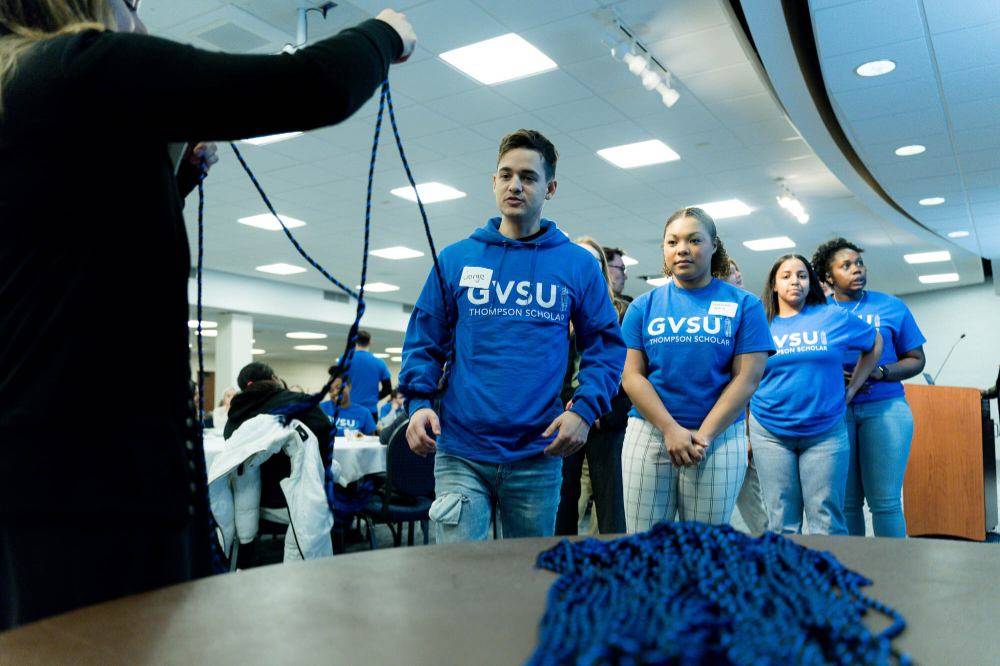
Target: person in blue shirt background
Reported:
point(501, 324)
point(351, 415)
point(797, 426)
point(369, 375)
point(750, 502)
point(696, 351)
point(879, 421)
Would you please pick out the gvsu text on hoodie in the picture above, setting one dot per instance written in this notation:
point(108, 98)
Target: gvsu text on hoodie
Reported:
point(510, 304)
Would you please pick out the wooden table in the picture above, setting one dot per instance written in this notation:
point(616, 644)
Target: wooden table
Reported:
point(476, 603)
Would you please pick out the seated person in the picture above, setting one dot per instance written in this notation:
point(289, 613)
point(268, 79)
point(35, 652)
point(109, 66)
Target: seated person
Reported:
point(261, 392)
point(387, 413)
point(350, 417)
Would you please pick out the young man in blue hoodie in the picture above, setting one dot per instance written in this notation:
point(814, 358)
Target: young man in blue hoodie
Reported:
point(500, 325)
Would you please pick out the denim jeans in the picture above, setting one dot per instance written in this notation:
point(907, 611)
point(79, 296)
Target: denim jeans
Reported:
point(525, 494)
point(803, 474)
point(880, 434)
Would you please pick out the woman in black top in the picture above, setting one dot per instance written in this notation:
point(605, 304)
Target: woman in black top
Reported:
point(94, 504)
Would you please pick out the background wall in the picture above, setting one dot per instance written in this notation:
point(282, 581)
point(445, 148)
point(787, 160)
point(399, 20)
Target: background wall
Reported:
point(945, 315)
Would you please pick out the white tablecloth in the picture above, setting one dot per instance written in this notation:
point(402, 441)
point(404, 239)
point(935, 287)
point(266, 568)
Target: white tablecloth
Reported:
point(357, 458)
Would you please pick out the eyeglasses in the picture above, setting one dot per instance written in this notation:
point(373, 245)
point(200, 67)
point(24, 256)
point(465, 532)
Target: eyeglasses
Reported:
point(133, 5)
point(620, 267)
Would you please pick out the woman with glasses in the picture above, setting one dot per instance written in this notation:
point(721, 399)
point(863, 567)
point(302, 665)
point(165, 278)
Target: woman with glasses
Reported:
point(696, 350)
point(90, 212)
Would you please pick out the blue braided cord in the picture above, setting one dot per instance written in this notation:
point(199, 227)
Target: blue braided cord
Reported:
point(442, 285)
point(691, 593)
point(199, 453)
point(291, 411)
point(295, 243)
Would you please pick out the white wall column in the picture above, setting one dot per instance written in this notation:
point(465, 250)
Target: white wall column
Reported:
point(232, 349)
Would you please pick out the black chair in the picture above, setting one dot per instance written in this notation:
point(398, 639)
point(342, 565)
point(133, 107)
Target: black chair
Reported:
point(408, 492)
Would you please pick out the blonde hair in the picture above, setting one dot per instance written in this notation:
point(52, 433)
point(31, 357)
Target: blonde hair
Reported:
point(602, 259)
point(25, 23)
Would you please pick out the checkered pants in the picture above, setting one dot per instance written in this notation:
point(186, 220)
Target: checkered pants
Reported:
point(656, 490)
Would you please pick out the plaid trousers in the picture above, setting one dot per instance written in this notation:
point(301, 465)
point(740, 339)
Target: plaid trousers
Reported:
point(656, 490)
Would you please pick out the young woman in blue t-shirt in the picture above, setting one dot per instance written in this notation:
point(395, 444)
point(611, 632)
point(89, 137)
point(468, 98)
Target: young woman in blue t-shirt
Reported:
point(879, 422)
point(696, 351)
point(797, 427)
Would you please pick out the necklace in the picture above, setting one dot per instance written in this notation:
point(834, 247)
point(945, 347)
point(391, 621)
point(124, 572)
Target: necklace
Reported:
point(864, 295)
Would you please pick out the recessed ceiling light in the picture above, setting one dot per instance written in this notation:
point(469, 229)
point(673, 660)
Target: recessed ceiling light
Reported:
point(500, 59)
point(267, 221)
point(629, 261)
point(305, 335)
point(927, 257)
point(958, 234)
point(931, 201)
point(643, 153)
point(658, 282)
point(938, 278)
point(258, 352)
point(271, 138)
point(281, 269)
point(379, 287)
point(720, 210)
point(397, 252)
point(394, 350)
point(765, 244)
point(875, 68)
point(396, 359)
point(208, 333)
point(193, 323)
point(380, 355)
point(906, 151)
point(431, 192)
point(309, 347)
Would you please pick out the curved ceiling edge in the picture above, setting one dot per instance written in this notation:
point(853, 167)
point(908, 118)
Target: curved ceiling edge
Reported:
point(792, 66)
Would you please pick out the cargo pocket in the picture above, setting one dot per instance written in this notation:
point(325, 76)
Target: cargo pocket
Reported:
point(447, 509)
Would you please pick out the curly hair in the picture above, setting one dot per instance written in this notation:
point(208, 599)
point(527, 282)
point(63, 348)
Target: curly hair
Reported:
point(823, 256)
point(720, 260)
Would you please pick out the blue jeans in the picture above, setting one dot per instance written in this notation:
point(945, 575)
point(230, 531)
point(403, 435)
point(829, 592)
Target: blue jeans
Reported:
point(803, 473)
point(880, 434)
point(525, 494)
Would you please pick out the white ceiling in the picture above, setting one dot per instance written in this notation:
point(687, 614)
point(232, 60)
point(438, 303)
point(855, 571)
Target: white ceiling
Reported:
point(733, 139)
point(269, 335)
point(944, 94)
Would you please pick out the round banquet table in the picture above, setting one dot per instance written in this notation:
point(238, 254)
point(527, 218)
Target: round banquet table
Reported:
point(469, 603)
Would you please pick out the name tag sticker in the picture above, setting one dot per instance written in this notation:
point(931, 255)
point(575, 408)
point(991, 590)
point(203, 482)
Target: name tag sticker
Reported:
point(723, 308)
point(478, 278)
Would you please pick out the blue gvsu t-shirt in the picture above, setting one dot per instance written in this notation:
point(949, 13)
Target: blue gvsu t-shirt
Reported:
point(900, 334)
point(690, 337)
point(352, 417)
point(802, 391)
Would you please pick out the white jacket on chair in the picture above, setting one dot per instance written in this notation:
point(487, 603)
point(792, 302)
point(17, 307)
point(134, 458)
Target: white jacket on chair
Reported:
point(234, 486)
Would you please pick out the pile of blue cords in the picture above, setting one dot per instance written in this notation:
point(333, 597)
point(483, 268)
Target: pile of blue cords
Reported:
point(691, 593)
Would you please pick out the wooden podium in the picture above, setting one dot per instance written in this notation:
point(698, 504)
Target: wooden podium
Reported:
point(950, 483)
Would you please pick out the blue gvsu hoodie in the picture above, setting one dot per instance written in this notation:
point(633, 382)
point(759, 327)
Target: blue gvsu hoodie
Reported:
point(510, 304)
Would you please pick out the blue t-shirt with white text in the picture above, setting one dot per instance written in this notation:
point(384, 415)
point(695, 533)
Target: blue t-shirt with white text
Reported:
point(900, 334)
point(367, 373)
point(690, 337)
point(352, 417)
point(802, 391)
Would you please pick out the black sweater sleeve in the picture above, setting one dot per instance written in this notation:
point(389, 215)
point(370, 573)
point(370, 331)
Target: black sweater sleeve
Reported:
point(180, 93)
